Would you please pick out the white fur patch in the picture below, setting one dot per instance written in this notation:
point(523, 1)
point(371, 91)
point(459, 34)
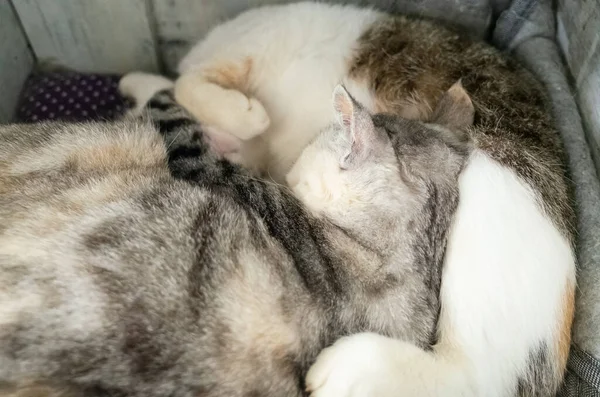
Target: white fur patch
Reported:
point(299, 52)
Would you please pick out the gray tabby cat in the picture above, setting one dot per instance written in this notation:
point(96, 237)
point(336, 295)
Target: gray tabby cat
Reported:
point(128, 270)
point(508, 288)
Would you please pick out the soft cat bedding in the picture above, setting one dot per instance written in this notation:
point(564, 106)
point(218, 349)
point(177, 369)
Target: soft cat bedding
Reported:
point(70, 96)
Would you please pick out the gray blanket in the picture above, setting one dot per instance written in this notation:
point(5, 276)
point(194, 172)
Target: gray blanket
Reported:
point(535, 45)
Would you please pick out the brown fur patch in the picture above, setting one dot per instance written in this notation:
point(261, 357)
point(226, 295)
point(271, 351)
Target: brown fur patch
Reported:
point(408, 64)
point(231, 75)
point(563, 341)
point(401, 86)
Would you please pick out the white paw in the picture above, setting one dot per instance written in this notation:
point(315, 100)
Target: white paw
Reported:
point(142, 86)
point(364, 365)
point(246, 117)
point(258, 118)
point(226, 109)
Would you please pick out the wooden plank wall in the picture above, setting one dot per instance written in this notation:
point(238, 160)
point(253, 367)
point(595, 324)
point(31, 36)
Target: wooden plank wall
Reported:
point(579, 37)
point(16, 60)
point(106, 36)
point(90, 36)
point(117, 36)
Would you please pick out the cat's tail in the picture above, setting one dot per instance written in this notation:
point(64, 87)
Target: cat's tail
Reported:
point(141, 87)
point(145, 89)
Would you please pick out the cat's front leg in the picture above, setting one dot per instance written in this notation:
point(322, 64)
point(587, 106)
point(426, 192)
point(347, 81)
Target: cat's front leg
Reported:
point(215, 95)
point(369, 364)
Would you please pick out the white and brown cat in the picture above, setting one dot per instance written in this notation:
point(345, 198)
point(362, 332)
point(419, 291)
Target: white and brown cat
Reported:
point(509, 273)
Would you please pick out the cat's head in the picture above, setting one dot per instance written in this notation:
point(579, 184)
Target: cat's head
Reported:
point(382, 167)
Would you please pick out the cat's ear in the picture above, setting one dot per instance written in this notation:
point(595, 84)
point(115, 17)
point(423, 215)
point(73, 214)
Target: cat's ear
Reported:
point(358, 126)
point(455, 109)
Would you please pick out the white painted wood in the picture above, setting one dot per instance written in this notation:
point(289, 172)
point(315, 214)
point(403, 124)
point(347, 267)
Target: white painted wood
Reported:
point(16, 61)
point(90, 36)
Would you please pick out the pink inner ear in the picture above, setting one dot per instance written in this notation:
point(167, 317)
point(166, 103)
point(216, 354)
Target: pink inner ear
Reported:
point(346, 120)
point(344, 107)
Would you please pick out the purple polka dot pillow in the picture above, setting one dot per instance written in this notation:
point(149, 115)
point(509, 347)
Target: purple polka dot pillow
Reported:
point(70, 96)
